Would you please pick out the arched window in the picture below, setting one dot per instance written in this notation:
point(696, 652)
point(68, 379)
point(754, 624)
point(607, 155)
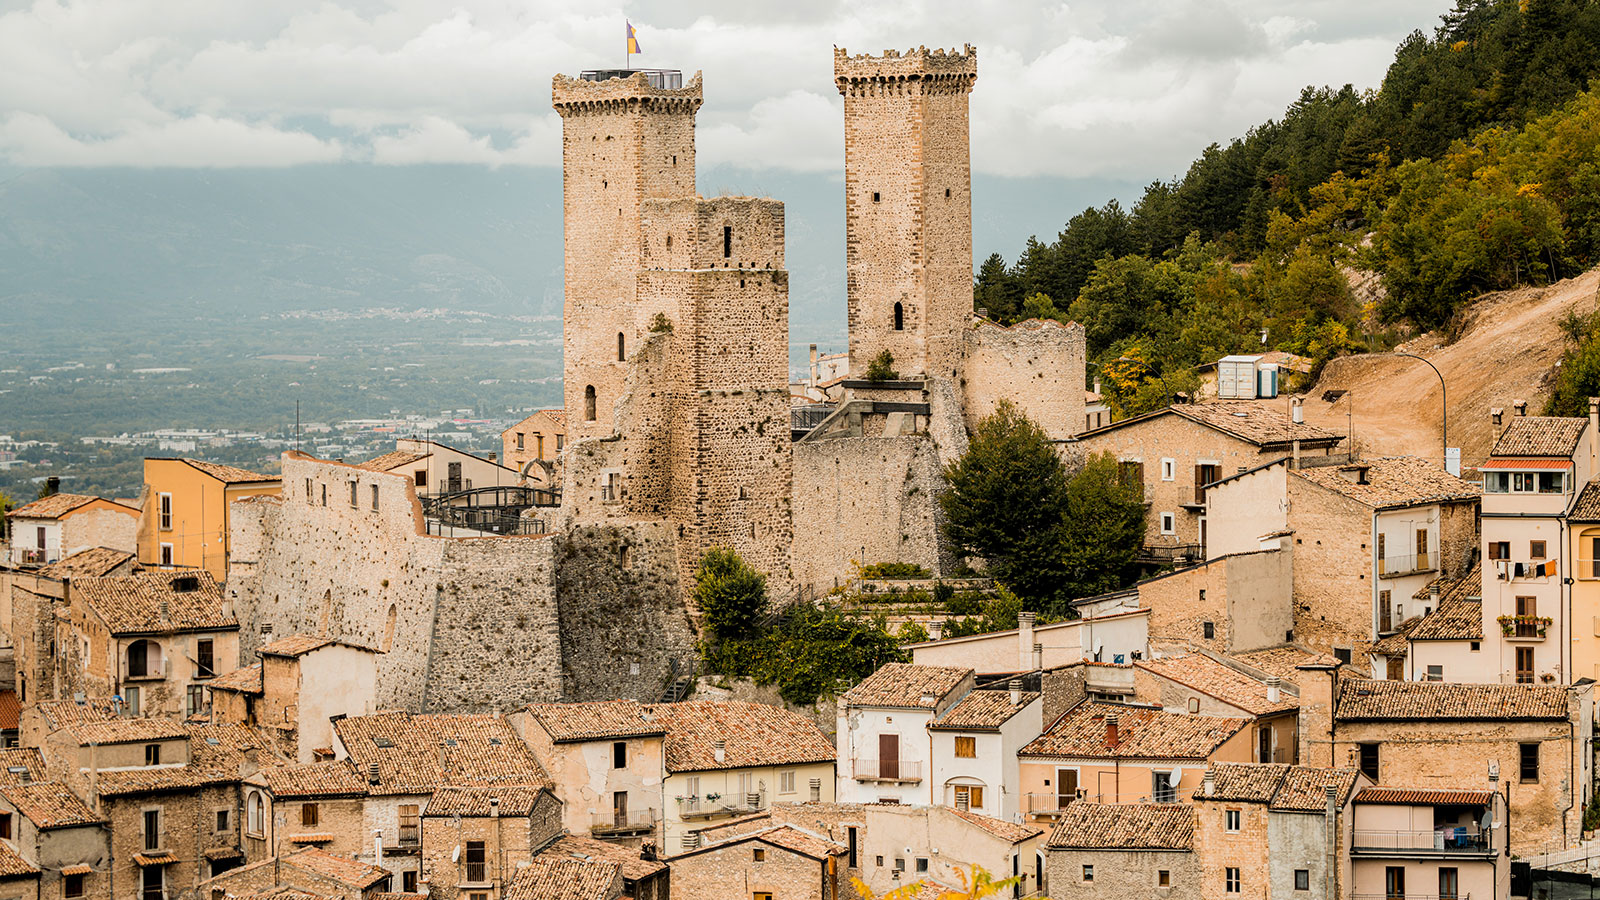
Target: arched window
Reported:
point(588, 403)
point(622, 354)
point(253, 813)
point(144, 659)
point(388, 629)
point(899, 317)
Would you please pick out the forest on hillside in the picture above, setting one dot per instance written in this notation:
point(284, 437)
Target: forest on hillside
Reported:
point(1474, 167)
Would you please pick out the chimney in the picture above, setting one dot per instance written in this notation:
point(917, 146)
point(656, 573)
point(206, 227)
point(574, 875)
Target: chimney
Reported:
point(377, 843)
point(1038, 657)
point(1025, 639)
point(814, 371)
point(166, 612)
point(1521, 406)
point(1297, 411)
point(1016, 691)
point(1274, 694)
point(1433, 595)
point(1497, 417)
point(372, 774)
point(1331, 843)
point(494, 807)
point(721, 753)
point(52, 485)
point(1111, 730)
point(1097, 384)
point(493, 456)
point(936, 630)
point(1296, 462)
point(1208, 783)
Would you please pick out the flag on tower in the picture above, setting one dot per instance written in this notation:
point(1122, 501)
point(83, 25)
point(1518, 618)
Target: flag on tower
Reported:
point(633, 40)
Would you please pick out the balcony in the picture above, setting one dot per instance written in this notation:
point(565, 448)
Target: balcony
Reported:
point(888, 771)
point(1524, 628)
point(1445, 841)
point(1410, 895)
point(1413, 564)
point(620, 824)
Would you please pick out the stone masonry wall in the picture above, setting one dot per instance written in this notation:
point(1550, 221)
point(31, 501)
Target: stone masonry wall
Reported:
point(1333, 601)
point(1038, 365)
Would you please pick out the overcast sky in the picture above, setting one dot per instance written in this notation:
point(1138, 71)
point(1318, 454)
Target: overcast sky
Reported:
point(1101, 88)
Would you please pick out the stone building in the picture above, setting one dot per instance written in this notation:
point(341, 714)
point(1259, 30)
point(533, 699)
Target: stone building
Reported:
point(1207, 685)
point(290, 807)
point(1444, 642)
point(776, 861)
point(533, 447)
point(301, 686)
point(309, 873)
point(59, 836)
point(884, 746)
point(1111, 850)
point(474, 839)
point(607, 761)
point(60, 525)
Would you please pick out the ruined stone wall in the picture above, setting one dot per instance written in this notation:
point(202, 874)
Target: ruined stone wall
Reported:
point(908, 206)
point(1333, 593)
point(1038, 365)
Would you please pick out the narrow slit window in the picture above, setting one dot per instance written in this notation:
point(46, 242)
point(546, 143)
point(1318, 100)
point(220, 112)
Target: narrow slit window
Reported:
point(899, 317)
point(727, 241)
point(622, 351)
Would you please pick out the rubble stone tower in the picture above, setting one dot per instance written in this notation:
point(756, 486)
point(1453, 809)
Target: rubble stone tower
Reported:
point(625, 140)
point(908, 206)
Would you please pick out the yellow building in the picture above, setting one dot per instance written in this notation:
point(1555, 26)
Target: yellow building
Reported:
point(533, 446)
point(1583, 530)
point(185, 517)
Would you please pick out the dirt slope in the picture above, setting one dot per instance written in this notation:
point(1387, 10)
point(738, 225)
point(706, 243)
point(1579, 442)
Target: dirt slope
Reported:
point(1506, 352)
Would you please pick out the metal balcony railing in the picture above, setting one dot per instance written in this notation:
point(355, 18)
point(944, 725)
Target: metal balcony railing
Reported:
point(1439, 840)
point(630, 822)
point(902, 770)
point(1410, 895)
point(1393, 566)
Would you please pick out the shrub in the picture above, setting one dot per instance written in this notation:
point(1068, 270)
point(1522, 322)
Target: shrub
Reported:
point(882, 368)
point(731, 596)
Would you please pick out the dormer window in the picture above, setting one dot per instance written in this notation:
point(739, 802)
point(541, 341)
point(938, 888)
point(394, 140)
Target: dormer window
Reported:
point(187, 584)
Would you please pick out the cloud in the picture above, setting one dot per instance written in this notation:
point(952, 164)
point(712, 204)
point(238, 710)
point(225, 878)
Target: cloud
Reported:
point(1125, 88)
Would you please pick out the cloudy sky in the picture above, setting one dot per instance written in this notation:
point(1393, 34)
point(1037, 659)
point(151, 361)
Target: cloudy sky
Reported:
point(1099, 88)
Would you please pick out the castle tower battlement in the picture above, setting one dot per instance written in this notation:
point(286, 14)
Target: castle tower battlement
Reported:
point(908, 206)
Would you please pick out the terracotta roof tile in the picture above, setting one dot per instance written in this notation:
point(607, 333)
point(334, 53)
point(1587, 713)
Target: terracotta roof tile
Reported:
point(10, 710)
point(1279, 661)
point(163, 779)
point(474, 802)
point(1454, 620)
point(230, 474)
point(477, 749)
point(984, 710)
point(1141, 734)
point(301, 644)
point(755, 735)
point(1431, 700)
point(1468, 584)
point(559, 416)
point(1539, 436)
point(1244, 782)
point(906, 686)
point(1206, 675)
point(563, 879)
point(1419, 797)
point(1005, 831)
point(319, 779)
point(1280, 786)
point(634, 866)
point(352, 872)
point(804, 843)
point(242, 681)
point(126, 731)
point(1305, 788)
point(12, 865)
point(20, 765)
point(52, 507)
point(95, 562)
point(394, 459)
point(1106, 826)
point(224, 747)
point(49, 805)
point(1393, 481)
point(599, 720)
point(132, 604)
point(61, 713)
point(1587, 508)
point(1259, 423)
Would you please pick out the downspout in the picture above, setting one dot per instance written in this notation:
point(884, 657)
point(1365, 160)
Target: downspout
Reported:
point(1330, 836)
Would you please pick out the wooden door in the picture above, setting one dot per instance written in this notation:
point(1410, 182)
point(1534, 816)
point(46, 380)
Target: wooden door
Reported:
point(888, 756)
point(1066, 787)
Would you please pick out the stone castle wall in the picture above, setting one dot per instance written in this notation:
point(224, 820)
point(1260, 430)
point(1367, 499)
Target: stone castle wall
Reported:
point(1036, 364)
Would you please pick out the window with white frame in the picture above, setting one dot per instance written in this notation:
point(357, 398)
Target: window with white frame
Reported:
point(1169, 523)
point(1169, 469)
point(164, 511)
point(786, 782)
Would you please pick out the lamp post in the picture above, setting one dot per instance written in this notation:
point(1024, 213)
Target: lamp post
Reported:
point(1444, 408)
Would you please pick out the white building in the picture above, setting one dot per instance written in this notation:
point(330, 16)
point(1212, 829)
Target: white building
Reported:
point(883, 742)
point(974, 748)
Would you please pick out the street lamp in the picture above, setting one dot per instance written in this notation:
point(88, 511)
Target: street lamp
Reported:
point(1444, 409)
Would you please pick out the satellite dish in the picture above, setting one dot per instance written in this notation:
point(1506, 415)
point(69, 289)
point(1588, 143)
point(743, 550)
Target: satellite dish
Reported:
point(1175, 777)
point(455, 855)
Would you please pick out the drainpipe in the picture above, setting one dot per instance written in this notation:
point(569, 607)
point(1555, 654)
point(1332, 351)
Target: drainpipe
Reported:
point(1330, 830)
point(499, 849)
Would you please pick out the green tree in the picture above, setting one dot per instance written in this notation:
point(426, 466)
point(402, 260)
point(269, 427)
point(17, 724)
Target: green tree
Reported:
point(1578, 377)
point(6, 505)
point(1105, 519)
point(730, 594)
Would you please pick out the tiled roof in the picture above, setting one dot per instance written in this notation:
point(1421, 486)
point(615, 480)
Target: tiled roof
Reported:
point(344, 870)
point(1411, 700)
point(10, 710)
point(94, 562)
point(634, 866)
point(1141, 734)
point(1305, 788)
point(1005, 831)
point(1398, 643)
point(12, 865)
point(1419, 797)
point(755, 734)
point(1281, 786)
point(474, 802)
point(1456, 587)
point(394, 459)
point(132, 604)
point(1244, 782)
point(559, 416)
point(1206, 675)
point(244, 681)
point(301, 644)
point(48, 805)
point(229, 474)
point(126, 731)
point(1141, 826)
point(1393, 481)
point(1454, 620)
point(1539, 436)
point(599, 720)
point(52, 507)
point(794, 840)
point(562, 879)
point(1279, 661)
point(163, 779)
point(1261, 424)
point(318, 779)
point(61, 713)
point(1587, 509)
point(906, 686)
point(984, 710)
point(477, 749)
point(20, 765)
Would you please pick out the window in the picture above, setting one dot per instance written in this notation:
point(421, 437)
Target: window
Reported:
point(139, 662)
point(309, 493)
point(196, 699)
point(1499, 549)
point(969, 796)
point(1449, 883)
point(164, 511)
point(758, 855)
point(922, 864)
point(619, 755)
point(324, 494)
point(538, 449)
point(152, 829)
point(5, 826)
point(1163, 878)
point(1209, 629)
point(374, 498)
point(1536, 549)
point(166, 554)
point(610, 485)
point(1528, 763)
point(966, 747)
point(786, 782)
point(130, 700)
point(422, 478)
point(1169, 523)
point(477, 868)
point(222, 820)
point(1161, 787)
point(204, 658)
point(875, 196)
point(252, 808)
point(1169, 470)
point(899, 864)
point(852, 842)
point(152, 754)
point(1342, 654)
point(1552, 482)
point(310, 814)
point(1231, 879)
point(1524, 665)
point(1302, 879)
point(1230, 820)
point(1204, 474)
point(561, 441)
point(727, 241)
point(1435, 673)
point(410, 823)
point(1367, 756)
point(622, 348)
point(1385, 612)
point(589, 403)
point(761, 895)
point(1088, 873)
point(520, 445)
point(71, 886)
point(899, 317)
point(408, 881)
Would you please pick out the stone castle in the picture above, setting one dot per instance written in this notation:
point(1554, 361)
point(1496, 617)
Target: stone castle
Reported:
point(680, 438)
